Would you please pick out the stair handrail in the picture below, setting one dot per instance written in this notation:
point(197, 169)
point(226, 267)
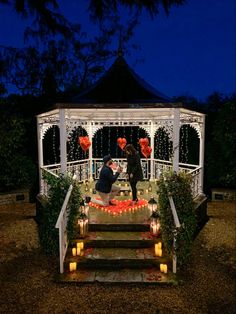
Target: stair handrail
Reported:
point(61, 224)
point(177, 225)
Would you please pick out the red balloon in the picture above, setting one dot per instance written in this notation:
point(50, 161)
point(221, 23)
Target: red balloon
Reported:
point(146, 151)
point(84, 142)
point(121, 141)
point(143, 142)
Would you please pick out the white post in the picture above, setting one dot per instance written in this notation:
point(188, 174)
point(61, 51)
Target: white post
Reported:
point(176, 131)
point(61, 253)
point(40, 155)
point(174, 264)
point(152, 153)
point(91, 152)
point(63, 139)
point(201, 155)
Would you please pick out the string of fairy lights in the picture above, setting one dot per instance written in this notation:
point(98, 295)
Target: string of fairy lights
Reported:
point(105, 142)
point(184, 136)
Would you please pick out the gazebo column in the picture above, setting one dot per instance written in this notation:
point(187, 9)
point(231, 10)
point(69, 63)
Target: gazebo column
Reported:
point(176, 131)
point(201, 156)
point(40, 156)
point(63, 140)
point(152, 153)
point(90, 134)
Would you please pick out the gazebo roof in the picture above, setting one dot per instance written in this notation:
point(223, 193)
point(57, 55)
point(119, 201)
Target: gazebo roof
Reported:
point(121, 86)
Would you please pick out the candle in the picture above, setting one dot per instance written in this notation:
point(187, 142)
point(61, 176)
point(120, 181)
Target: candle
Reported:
point(162, 268)
point(72, 266)
point(80, 245)
point(165, 268)
point(158, 251)
point(154, 229)
point(126, 184)
point(81, 229)
point(130, 193)
point(78, 250)
point(90, 190)
point(138, 193)
point(147, 191)
point(74, 251)
point(159, 245)
point(121, 193)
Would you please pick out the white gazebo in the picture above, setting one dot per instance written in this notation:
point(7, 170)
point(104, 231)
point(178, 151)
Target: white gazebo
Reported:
point(121, 99)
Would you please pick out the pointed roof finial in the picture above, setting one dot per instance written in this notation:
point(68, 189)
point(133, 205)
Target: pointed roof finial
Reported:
point(120, 48)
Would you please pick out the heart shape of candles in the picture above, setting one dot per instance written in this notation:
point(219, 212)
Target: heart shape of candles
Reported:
point(121, 207)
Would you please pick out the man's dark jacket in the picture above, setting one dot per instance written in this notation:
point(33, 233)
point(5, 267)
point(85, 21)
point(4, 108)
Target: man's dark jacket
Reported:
point(106, 178)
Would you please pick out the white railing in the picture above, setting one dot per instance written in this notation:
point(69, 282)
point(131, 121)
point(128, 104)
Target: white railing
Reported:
point(97, 164)
point(81, 169)
point(162, 166)
point(44, 188)
point(177, 225)
point(62, 226)
point(196, 179)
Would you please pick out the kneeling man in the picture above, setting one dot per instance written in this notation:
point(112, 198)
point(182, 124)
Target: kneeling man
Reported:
point(105, 187)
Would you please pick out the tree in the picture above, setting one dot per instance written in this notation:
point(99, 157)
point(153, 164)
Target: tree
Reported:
point(17, 169)
point(46, 19)
point(104, 8)
point(221, 149)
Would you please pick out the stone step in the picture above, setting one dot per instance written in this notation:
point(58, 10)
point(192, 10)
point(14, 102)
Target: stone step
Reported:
point(115, 258)
point(119, 227)
point(118, 239)
point(119, 276)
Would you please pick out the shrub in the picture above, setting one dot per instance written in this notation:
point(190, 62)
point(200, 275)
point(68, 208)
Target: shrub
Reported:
point(49, 235)
point(179, 186)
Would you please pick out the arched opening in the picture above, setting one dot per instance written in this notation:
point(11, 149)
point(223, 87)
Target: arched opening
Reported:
point(163, 145)
point(74, 151)
point(105, 140)
point(51, 146)
point(189, 145)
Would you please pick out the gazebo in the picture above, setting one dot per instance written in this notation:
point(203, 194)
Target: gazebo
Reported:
point(121, 99)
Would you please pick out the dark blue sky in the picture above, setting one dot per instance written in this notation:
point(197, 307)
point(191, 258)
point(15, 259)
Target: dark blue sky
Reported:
point(192, 52)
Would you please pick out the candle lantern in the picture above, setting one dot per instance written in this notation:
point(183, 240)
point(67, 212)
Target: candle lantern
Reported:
point(84, 208)
point(155, 226)
point(152, 205)
point(86, 186)
point(83, 226)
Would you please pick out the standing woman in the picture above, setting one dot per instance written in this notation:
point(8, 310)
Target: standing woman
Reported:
point(134, 169)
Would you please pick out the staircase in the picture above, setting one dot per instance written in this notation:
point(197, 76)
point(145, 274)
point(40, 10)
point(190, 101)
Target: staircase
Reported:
point(117, 249)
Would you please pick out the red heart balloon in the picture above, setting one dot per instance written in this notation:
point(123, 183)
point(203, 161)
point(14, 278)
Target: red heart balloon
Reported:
point(146, 151)
point(121, 141)
point(143, 142)
point(84, 142)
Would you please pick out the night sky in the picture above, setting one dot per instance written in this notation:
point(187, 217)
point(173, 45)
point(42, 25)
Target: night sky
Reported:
point(192, 52)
